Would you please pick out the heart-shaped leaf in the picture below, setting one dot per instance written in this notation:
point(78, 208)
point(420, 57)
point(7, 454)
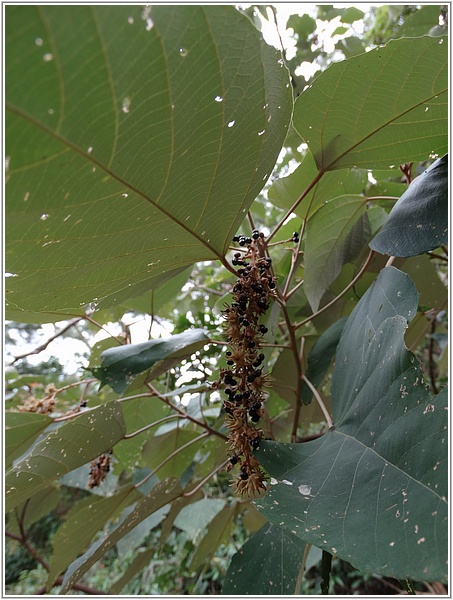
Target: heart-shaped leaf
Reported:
point(269, 563)
point(386, 107)
point(120, 363)
point(137, 138)
point(373, 490)
point(71, 445)
point(419, 220)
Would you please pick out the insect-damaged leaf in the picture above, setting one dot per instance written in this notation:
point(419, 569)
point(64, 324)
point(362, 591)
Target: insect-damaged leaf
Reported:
point(22, 428)
point(119, 364)
point(372, 491)
point(149, 133)
point(419, 220)
point(71, 445)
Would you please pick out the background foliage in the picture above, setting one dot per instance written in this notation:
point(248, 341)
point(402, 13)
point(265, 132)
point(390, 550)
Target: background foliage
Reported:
point(139, 142)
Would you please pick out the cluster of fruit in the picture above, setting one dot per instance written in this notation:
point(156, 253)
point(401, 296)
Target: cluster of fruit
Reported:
point(243, 379)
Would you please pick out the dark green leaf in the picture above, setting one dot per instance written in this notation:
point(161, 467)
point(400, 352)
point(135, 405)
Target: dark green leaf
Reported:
point(269, 563)
point(21, 430)
point(71, 445)
point(83, 521)
point(120, 363)
point(320, 356)
point(125, 175)
point(372, 491)
point(419, 220)
point(387, 106)
point(159, 496)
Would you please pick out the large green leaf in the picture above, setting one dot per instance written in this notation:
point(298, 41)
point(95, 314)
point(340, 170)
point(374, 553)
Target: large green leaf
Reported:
point(158, 448)
point(372, 490)
point(335, 235)
point(388, 106)
point(73, 444)
point(21, 430)
point(83, 521)
point(163, 493)
point(419, 220)
point(136, 141)
point(120, 363)
point(269, 563)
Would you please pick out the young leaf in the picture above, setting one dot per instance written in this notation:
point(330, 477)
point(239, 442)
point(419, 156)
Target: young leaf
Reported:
point(163, 493)
point(387, 106)
point(148, 138)
point(419, 220)
point(373, 490)
point(269, 563)
point(119, 363)
point(335, 235)
point(83, 521)
point(73, 444)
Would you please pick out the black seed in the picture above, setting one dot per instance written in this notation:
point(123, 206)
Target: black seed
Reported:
point(237, 255)
point(230, 362)
point(229, 411)
point(263, 328)
point(236, 238)
point(227, 391)
point(245, 322)
point(251, 378)
point(243, 475)
point(242, 241)
point(246, 394)
point(261, 234)
point(234, 262)
point(228, 353)
point(255, 443)
point(233, 460)
point(257, 406)
point(255, 235)
point(248, 240)
point(233, 382)
point(271, 285)
point(251, 344)
point(255, 418)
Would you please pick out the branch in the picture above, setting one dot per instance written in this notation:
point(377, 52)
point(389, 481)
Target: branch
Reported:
point(319, 401)
point(45, 344)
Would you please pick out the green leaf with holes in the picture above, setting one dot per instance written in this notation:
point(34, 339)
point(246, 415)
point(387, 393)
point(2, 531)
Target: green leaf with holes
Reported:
point(163, 493)
point(372, 490)
point(419, 220)
point(387, 106)
point(118, 365)
point(137, 138)
point(73, 444)
point(269, 563)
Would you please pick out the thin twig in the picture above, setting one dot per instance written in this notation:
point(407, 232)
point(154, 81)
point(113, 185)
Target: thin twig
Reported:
point(390, 261)
point(295, 288)
point(319, 400)
point(346, 289)
point(150, 425)
point(184, 414)
point(201, 484)
point(120, 340)
point(170, 456)
point(43, 346)
point(296, 204)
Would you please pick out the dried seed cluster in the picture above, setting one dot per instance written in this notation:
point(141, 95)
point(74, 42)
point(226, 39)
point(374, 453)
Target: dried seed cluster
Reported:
point(99, 469)
point(243, 379)
point(41, 405)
